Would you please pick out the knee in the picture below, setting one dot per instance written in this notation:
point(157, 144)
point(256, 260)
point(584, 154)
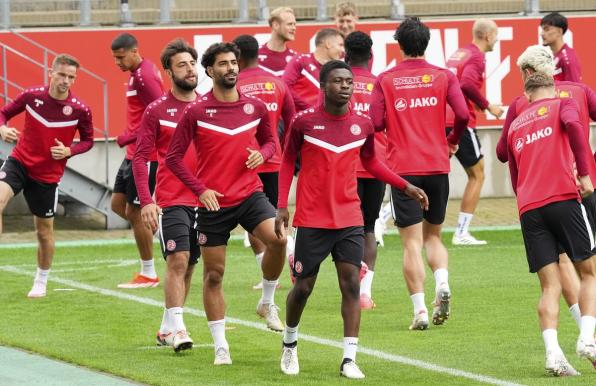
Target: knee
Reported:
point(277, 243)
point(301, 290)
point(131, 212)
point(350, 286)
point(177, 263)
point(44, 233)
point(213, 278)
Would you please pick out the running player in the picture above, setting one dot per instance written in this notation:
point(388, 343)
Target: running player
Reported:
point(53, 115)
point(468, 64)
point(275, 54)
point(254, 81)
point(330, 139)
point(143, 87)
point(227, 128)
point(302, 73)
point(175, 210)
point(409, 101)
point(550, 209)
point(370, 190)
point(567, 67)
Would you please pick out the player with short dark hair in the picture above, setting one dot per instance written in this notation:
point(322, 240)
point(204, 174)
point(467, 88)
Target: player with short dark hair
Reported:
point(542, 144)
point(144, 86)
point(53, 115)
point(331, 138)
point(275, 54)
point(409, 102)
point(553, 26)
point(227, 128)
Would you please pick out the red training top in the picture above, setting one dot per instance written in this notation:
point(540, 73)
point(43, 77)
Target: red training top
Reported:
point(567, 65)
point(302, 77)
point(274, 62)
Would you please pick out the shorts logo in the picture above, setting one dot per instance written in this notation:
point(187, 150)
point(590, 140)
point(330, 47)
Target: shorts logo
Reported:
point(298, 267)
point(67, 110)
point(2, 175)
point(401, 104)
point(519, 144)
point(249, 108)
point(202, 239)
point(355, 129)
point(171, 245)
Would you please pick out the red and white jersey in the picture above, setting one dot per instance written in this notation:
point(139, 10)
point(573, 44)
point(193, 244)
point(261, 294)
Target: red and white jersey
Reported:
point(364, 82)
point(409, 101)
point(329, 147)
point(278, 99)
point(158, 125)
point(144, 86)
point(221, 133)
point(48, 119)
point(302, 78)
point(539, 152)
point(275, 62)
point(567, 65)
point(468, 64)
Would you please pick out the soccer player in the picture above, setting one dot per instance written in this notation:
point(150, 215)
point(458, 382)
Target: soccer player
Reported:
point(550, 209)
point(540, 59)
point(143, 87)
point(53, 115)
point(227, 128)
point(370, 190)
point(331, 139)
point(346, 18)
point(254, 81)
point(174, 211)
point(567, 67)
point(275, 54)
point(468, 64)
point(409, 101)
point(302, 73)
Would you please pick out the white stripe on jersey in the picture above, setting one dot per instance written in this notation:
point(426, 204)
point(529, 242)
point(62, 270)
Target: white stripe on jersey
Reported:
point(47, 123)
point(333, 148)
point(228, 131)
point(309, 76)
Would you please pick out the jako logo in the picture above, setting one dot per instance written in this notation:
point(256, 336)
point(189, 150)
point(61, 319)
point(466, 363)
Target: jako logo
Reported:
point(423, 102)
point(535, 136)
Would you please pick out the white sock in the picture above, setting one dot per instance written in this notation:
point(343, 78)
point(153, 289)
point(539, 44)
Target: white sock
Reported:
point(259, 258)
point(441, 276)
point(41, 275)
point(366, 283)
point(218, 332)
point(463, 224)
point(268, 291)
point(385, 213)
point(290, 246)
point(550, 340)
point(176, 316)
point(418, 301)
point(586, 330)
point(577, 315)
point(350, 348)
point(148, 268)
point(165, 326)
point(290, 334)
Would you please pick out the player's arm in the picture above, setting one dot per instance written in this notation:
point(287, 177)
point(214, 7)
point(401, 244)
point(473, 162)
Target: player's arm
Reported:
point(17, 106)
point(126, 139)
point(572, 70)
point(471, 76)
point(290, 77)
point(150, 88)
point(377, 107)
point(512, 168)
point(591, 99)
point(286, 173)
point(266, 141)
point(287, 113)
point(85, 128)
point(502, 153)
point(455, 99)
point(569, 114)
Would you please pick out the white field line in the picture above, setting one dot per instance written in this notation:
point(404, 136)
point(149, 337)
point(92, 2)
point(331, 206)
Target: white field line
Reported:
point(260, 326)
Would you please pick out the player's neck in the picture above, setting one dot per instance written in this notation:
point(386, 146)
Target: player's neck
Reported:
point(277, 44)
point(556, 46)
point(55, 94)
point(363, 65)
point(183, 95)
point(249, 65)
point(406, 57)
point(480, 45)
point(541, 94)
point(223, 94)
point(335, 109)
point(138, 60)
point(321, 56)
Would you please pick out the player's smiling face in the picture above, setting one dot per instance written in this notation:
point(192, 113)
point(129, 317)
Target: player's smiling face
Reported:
point(339, 86)
point(183, 72)
point(225, 70)
point(346, 24)
point(286, 28)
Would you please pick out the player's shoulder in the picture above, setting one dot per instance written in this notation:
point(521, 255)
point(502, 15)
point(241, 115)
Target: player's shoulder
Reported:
point(78, 104)
point(35, 91)
point(155, 106)
point(197, 105)
point(250, 100)
point(304, 116)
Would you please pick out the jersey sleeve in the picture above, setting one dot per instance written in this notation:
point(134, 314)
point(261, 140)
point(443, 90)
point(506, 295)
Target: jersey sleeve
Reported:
point(85, 128)
point(571, 69)
point(264, 135)
point(502, 153)
point(150, 88)
point(290, 77)
point(294, 141)
point(377, 168)
point(147, 135)
point(377, 107)
point(287, 113)
point(13, 108)
point(455, 99)
point(591, 98)
point(570, 120)
point(472, 76)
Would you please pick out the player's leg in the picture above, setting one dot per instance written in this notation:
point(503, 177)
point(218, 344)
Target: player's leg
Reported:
point(12, 180)
point(570, 284)
point(586, 346)
point(6, 193)
point(119, 192)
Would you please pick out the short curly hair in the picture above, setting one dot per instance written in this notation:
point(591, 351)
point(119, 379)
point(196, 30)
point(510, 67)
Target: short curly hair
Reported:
point(208, 58)
point(358, 46)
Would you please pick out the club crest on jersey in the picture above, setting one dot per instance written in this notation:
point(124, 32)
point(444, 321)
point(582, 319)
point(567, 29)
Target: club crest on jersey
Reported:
point(38, 102)
point(401, 104)
point(519, 144)
point(67, 110)
point(202, 239)
point(171, 245)
point(248, 108)
point(355, 129)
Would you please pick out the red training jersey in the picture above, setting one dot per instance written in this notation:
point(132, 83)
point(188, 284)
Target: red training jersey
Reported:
point(567, 65)
point(409, 101)
point(302, 78)
point(47, 120)
point(221, 133)
point(274, 62)
point(155, 133)
point(278, 100)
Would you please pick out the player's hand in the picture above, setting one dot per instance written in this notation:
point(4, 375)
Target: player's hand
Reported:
point(209, 199)
point(495, 110)
point(120, 140)
point(417, 194)
point(9, 134)
point(281, 222)
point(452, 149)
point(149, 215)
point(59, 151)
point(255, 158)
point(585, 186)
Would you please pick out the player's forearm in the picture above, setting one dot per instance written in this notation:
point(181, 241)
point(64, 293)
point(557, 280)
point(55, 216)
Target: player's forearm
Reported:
point(81, 147)
point(579, 147)
point(381, 172)
point(286, 173)
point(473, 93)
point(141, 177)
point(126, 139)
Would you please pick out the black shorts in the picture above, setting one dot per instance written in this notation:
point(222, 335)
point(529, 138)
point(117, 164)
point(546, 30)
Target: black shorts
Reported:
point(371, 192)
point(470, 151)
point(270, 184)
point(41, 197)
point(125, 181)
point(562, 223)
point(178, 233)
point(313, 245)
point(407, 211)
point(215, 227)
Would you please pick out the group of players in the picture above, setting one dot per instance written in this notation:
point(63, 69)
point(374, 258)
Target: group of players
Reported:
point(272, 112)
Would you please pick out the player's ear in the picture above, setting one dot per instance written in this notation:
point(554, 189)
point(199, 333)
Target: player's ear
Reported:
point(209, 71)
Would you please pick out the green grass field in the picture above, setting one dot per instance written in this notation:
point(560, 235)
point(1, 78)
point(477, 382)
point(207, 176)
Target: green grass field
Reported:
point(492, 335)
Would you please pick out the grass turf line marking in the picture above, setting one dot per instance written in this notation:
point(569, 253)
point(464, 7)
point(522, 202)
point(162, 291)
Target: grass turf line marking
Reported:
point(260, 326)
